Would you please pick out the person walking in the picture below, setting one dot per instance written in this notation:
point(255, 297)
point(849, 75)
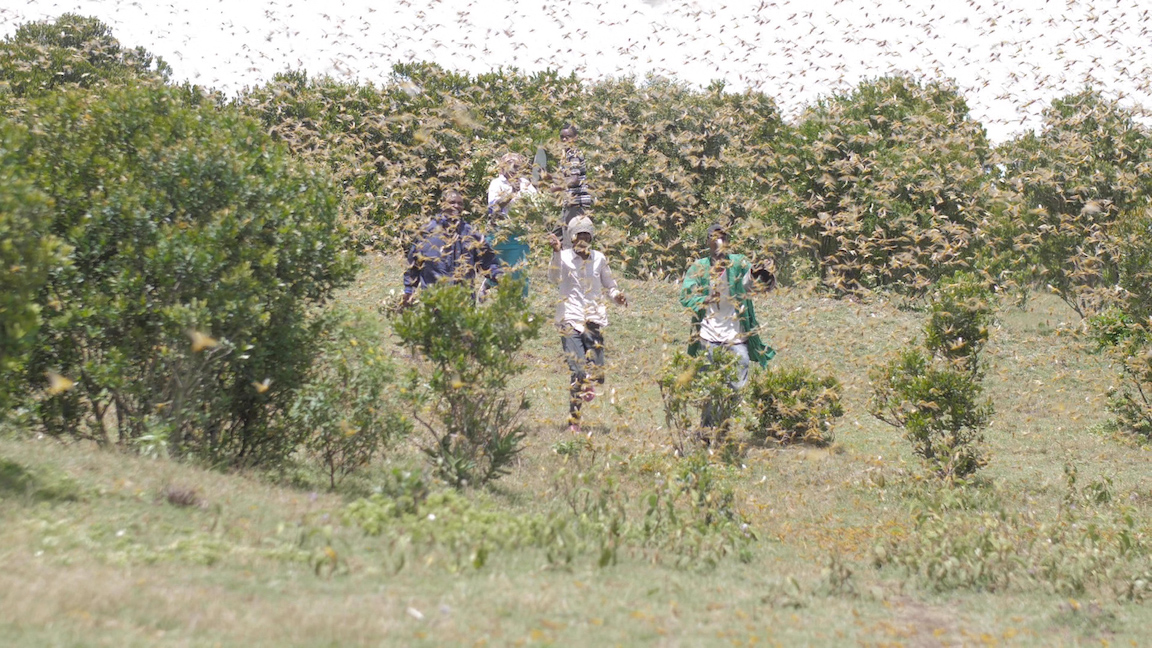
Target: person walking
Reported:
point(448, 248)
point(509, 185)
point(716, 291)
point(573, 181)
point(584, 279)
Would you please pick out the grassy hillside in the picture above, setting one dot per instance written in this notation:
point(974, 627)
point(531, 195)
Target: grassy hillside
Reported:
point(100, 548)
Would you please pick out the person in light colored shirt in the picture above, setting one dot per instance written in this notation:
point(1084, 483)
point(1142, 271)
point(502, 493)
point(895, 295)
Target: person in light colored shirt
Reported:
point(509, 185)
point(506, 188)
point(585, 281)
point(716, 291)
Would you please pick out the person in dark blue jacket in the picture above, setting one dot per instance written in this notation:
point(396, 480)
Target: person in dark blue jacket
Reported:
point(449, 249)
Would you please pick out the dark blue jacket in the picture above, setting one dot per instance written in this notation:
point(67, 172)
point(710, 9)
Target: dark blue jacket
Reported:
point(449, 251)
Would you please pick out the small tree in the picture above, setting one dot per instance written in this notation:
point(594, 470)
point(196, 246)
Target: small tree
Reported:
point(935, 396)
point(347, 410)
point(459, 394)
point(184, 219)
point(792, 404)
point(691, 386)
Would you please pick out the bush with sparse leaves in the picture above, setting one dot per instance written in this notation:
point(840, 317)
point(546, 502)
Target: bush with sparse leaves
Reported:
point(690, 387)
point(458, 391)
point(348, 410)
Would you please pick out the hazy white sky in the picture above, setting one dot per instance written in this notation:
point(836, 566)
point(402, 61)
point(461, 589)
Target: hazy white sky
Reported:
point(1010, 59)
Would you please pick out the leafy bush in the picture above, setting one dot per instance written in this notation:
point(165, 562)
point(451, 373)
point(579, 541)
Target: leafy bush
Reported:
point(792, 404)
point(1130, 344)
point(460, 395)
point(347, 410)
point(1088, 167)
point(935, 397)
point(691, 385)
point(185, 220)
point(938, 407)
point(958, 319)
point(27, 257)
point(889, 184)
point(72, 50)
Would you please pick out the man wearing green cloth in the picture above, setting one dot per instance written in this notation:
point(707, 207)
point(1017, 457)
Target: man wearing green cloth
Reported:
point(716, 291)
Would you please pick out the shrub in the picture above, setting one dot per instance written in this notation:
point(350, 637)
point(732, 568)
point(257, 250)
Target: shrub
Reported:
point(1130, 344)
point(460, 395)
point(958, 319)
point(1085, 170)
point(691, 385)
point(27, 258)
point(890, 184)
point(792, 404)
point(185, 220)
point(938, 407)
point(936, 396)
point(347, 411)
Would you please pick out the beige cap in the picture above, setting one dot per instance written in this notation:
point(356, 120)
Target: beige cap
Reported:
point(580, 224)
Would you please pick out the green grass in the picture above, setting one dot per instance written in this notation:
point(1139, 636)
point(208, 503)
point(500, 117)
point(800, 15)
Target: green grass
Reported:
point(93, 553)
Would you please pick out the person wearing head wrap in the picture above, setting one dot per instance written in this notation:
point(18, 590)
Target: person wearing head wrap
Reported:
point(585, 280)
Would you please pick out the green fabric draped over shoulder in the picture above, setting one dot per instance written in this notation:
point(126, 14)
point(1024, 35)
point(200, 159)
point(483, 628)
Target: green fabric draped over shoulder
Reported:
point(695, 290)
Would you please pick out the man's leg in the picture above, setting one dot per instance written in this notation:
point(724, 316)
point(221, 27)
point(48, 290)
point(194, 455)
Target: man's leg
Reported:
point(593, 339)
point(742, 364)
point(574, 354)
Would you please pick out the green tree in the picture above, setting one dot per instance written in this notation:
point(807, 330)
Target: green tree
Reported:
point(71, 51)
point(1090, 164)
point(890, 183)
point(199, 250)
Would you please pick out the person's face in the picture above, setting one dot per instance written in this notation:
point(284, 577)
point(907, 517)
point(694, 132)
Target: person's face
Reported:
point(514, 170)
point(582, 243)
point(454, 205)
point(716, 243)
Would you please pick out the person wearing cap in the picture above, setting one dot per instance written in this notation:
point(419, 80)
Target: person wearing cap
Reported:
point(448, 248)
point(584, 278)
point(716, 291)
point(506, 188)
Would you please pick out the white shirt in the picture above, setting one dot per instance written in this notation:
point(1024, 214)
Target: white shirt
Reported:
point(721, 323)
point(500, 187)
point(582, 286)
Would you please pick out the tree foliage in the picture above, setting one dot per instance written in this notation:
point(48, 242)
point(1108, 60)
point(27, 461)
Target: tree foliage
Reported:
point(198, 248)
point(890, 184)
point(71, 51)
point(1090, 165)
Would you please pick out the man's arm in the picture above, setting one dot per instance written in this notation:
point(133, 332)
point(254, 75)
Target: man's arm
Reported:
point(609, 284)
point(556, 264)
point(691, 296)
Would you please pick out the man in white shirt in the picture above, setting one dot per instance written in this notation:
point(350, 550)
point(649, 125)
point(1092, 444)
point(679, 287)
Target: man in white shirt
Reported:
point(506, 188)
point(508, 185)
point(581, 314)
point(716, 290)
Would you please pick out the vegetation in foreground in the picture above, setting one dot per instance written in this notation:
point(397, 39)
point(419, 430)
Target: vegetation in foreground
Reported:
point(612, 538)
